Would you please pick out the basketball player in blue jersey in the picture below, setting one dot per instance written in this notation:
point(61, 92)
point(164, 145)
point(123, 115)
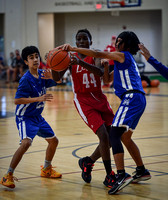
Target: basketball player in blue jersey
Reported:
point(30, 98)
point(128, 87)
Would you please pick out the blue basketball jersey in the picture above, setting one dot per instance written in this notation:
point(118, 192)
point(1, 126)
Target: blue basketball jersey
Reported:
point(29, 86)
point(126, 76)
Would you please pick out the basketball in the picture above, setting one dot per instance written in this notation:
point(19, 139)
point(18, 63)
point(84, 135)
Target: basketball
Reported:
point(155, 83)
point(144, 84)
point(58, 60)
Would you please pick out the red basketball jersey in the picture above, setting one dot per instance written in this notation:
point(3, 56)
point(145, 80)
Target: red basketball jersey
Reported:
point(84, 81)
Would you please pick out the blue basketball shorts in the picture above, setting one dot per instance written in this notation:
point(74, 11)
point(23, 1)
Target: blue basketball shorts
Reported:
point(130, 111)
point(29, 127)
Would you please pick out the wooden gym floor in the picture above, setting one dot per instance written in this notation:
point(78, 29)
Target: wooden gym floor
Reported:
point(76, 140)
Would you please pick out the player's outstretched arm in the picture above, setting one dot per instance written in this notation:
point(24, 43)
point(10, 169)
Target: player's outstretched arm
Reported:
point(45, 97)
point(117, 56)
point(162, 69)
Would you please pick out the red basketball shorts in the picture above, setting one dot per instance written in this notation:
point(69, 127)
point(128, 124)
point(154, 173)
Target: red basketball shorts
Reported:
point(94, 109)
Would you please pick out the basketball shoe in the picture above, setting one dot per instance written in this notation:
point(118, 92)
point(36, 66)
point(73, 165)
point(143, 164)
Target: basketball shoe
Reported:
point(49, 172)
point(121, 182)
point(141, 175)
point(8, 180)
point(110, 180)
point(86, 167)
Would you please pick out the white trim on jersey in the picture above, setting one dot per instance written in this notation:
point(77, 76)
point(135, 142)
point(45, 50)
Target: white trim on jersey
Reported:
point(119, 120)
point(79, 108)
point(22, 130)
point(123, 115)
point(127, 78)
point(122, 79)
point(20, 107)
point(24, 109)
point(118, 115)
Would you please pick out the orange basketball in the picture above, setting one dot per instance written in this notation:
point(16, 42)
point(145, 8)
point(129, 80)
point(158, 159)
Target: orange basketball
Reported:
point(155, 83)
point(144, 84)
point(58, 59)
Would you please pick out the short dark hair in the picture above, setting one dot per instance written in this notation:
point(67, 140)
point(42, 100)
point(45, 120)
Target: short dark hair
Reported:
point(29, 50)
point(130, 41)
point(85, 31)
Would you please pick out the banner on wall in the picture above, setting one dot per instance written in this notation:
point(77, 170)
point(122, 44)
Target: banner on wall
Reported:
point(78, 3)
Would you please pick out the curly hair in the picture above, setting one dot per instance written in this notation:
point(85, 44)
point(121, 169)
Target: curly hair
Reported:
point(130, 41)
point(84, 31)
point(29, 50)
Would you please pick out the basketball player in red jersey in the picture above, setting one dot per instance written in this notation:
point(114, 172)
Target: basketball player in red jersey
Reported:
point(91, 104)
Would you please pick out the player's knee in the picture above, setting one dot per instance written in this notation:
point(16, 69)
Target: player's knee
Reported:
point(53, 141)
point(116, 132)
point(56, 141)
point(115, 139)
point(26, 143)
point(103, 134)
point(126, 141)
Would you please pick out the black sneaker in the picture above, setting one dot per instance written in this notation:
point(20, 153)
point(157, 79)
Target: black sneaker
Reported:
point(110, 180)
point(120, 183)
point(140, 175)
point(86, 167)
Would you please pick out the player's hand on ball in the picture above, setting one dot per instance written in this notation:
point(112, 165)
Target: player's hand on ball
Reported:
point(66, 47)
